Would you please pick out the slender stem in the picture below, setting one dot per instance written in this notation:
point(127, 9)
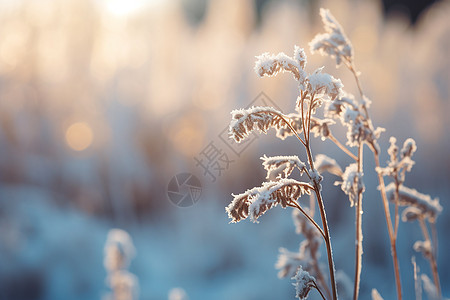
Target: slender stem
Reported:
point(342, 147)
point(317, 288)
point(359, 235)
point(432, 258)
point(290, 127)
point(319, 274)
point(326, 230)
point(319, 202)
point(396, 216)
point(392, 235)
point(389, 226)
point(295, 204)
point(309, 115)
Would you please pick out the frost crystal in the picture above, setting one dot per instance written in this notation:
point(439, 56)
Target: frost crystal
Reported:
point(398, 165)
point(303, 283)
point(324, 84)
point(352, 183)
point(334, 42)
point(324, 163)
point(282, 165)
point(270, 64)
point(255, 202)
point(244, 121)
point(430, 208)
point(411, 213)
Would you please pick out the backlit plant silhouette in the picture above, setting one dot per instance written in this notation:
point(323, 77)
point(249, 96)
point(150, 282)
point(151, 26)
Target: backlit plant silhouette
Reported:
point(321, 90)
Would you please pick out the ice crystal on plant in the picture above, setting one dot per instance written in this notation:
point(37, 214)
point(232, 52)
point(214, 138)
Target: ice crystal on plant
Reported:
point(411, 214)
point(244, 121)
point(282, 165)
point(303, 283)
point(352, 182)
point(255, 202)
point(334, 42)
point(430, 208)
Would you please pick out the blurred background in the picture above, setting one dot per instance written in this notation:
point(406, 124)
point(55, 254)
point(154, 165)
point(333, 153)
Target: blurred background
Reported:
point(102, 102)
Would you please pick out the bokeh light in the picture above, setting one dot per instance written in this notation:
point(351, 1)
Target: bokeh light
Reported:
point(79, 136)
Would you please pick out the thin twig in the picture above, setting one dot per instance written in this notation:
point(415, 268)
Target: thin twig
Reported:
point(432, 258)
point(295, 204)
point(358, 246)
point(387, 214)
point(317, 288)
point(342, 147)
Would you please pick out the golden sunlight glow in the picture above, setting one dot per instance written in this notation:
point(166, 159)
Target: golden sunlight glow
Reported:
point(79, 136)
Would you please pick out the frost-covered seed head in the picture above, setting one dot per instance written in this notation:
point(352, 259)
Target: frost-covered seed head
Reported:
point(352, 183)
point(334, 42)
point(303, 283)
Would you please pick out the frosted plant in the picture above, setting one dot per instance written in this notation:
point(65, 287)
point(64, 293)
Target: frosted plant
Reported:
point(314, 89)
point(352, 183)
point(119, 251)
point(334, 42)
point(319, 89)
point(308, 254)
point(420, 207)
point(360, 130)
point(303, 284)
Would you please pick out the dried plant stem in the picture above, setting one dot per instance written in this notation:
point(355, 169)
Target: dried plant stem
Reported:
point(392, 233)
point(294, 204)
point(327, 240)
point(359, 236)
point(432, 258)
point(306, 135)
point(396, 216)
point(320, 276)
point(342, 147)
point(392, 237)
point(317, 288)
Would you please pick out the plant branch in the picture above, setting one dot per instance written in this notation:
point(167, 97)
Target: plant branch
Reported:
point(389, 226)
point(317, 288)
point(342, 147)
point(432, 258)
point(359, 236)
point(295, 205)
